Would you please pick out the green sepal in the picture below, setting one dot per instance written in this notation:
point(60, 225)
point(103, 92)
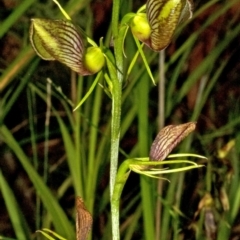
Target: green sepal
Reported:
point(127, 18)
point(144, 61)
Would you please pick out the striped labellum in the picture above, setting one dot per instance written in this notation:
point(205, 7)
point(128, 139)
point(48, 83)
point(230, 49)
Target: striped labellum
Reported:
point(60, 40)
point(83, 220)
point(168, 138)
point(163, 17)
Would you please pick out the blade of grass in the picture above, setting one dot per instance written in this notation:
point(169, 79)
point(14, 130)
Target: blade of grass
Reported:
point(146, 186)
point(15, 15)
point(19, 223)
point(60, 221)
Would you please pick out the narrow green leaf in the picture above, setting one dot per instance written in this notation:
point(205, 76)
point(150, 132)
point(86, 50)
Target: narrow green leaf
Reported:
point(89, 91)
point(18, 222)
point(59, 218)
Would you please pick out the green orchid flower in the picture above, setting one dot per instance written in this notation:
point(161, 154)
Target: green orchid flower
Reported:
point(162, 18)
point(60, 40)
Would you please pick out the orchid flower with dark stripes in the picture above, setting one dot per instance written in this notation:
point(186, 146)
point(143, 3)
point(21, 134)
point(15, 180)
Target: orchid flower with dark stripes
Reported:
point(162, 17)
point(168, 138)
point(60, 40)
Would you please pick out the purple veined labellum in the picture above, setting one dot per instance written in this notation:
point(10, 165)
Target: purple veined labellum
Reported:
point(168, 138)
point(83, 220)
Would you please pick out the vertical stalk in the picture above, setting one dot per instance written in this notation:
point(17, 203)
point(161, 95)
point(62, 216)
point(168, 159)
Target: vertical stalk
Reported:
point(147, 196)
point(117, 79)
point(161, 120)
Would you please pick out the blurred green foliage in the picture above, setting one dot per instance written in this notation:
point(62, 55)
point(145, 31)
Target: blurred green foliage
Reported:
point(50, 154)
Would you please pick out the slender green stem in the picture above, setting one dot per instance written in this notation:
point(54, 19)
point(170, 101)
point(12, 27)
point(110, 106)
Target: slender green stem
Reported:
point(121, 179)
point(115, 136)
point(117, 79)
point(115, 16)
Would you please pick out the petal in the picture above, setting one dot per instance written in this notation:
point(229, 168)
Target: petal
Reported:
point(168, 138)
point(83, 220)
point(58, 40)
point(163, 17)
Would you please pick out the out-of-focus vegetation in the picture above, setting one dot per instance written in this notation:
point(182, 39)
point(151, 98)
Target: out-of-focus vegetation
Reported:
point(50, 154)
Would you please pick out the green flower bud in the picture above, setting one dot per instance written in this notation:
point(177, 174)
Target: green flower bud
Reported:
point(93, 59)
point(140, 27)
